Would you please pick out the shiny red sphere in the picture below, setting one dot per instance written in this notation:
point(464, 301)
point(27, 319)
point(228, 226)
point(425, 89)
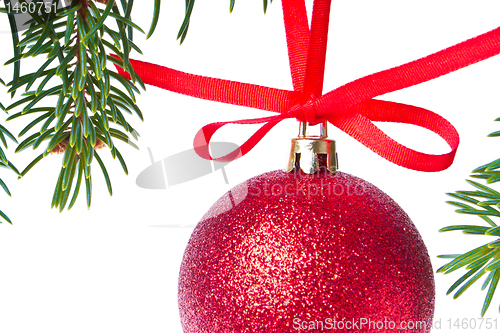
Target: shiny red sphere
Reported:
point(290, 252)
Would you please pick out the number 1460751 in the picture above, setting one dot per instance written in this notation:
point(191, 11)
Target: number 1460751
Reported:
point(473, 323)
point(24, 7)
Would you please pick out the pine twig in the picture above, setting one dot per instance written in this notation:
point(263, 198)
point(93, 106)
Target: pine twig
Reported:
point(93, 102)
point(484, 202)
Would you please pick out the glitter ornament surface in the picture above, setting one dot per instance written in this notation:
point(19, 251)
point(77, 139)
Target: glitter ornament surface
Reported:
point(290, 252)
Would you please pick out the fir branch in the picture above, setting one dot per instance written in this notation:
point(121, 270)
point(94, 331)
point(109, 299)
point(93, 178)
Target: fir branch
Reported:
point(483, 202)
point(89, 108)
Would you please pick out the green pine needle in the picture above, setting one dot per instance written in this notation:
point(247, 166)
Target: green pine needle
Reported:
point(156, 15)
point(5, 217)
point(17, 49)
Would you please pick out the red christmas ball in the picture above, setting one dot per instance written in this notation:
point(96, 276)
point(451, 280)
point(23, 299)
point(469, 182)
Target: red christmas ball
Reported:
point(286, 252)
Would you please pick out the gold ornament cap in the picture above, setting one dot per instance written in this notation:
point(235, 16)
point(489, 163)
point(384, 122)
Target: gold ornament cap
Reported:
point(309, 153)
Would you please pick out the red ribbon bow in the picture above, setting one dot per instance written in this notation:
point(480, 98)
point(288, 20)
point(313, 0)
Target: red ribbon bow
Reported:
point(351, 107)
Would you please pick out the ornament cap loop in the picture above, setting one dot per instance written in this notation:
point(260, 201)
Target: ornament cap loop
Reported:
point(311, 153)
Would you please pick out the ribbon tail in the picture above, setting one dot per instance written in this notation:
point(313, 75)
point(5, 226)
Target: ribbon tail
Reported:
point(297, 39)
point(316, 57)
point(213, 89)
point(430, 67)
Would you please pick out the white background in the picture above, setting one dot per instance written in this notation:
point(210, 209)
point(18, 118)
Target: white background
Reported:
point(114, 268)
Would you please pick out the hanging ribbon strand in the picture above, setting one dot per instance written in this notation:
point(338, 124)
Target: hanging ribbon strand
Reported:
point(350, 107)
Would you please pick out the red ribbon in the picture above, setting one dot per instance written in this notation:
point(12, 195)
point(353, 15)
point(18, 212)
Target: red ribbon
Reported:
point(350, 107)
